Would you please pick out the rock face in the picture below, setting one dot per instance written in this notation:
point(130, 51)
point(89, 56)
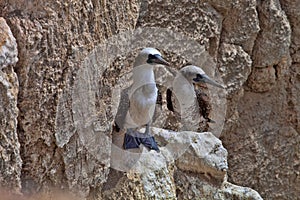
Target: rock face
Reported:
point(59, 82)
point(53, 39)
point(10, 158)
point(267, 114)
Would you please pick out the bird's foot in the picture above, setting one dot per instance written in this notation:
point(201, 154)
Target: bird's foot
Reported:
point(150, 143)
point(148, 140)
point(133, 139)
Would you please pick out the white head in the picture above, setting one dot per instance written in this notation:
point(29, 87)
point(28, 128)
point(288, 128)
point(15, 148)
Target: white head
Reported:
point(195, 74)
point(149, 56)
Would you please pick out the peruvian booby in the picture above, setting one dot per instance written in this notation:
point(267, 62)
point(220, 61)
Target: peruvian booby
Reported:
point(189, 102)
point(138, 101)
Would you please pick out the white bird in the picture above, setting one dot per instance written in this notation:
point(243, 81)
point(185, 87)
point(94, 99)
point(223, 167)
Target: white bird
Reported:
point(137, 104)
point(187, 99)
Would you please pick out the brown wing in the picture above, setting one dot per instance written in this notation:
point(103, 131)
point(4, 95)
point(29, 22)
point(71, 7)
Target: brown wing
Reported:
point(170, 105)
point(204, 105)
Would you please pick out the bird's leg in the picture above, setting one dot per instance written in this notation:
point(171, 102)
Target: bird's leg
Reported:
point(130, 139)
point(147, 130)
point(133, 139)
point(148, 140)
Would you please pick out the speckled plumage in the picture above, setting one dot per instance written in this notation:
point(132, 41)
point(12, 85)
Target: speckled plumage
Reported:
point(190, 104)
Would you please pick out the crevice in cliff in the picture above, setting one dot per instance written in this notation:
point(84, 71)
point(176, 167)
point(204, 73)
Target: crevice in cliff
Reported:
point(276, 68)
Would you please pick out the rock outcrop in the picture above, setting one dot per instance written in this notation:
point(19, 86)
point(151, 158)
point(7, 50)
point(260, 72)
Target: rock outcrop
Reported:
point(10, 155)
point(190, 166)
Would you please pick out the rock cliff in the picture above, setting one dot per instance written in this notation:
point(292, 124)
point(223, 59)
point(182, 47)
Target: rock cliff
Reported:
point(63, 64)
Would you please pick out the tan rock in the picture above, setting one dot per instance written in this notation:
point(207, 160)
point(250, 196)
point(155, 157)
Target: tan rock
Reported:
point(234, 65)
point(53, 39)
point(275, 35)
point(261, 129)
point(241, 24)
point(194, 186)
point(10, 158)
point(8, 46)
point(262, 79)
point(190, 166)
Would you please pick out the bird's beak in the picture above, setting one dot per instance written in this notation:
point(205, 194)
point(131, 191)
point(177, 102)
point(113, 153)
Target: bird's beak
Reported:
point(159, 60)
point(205, 79)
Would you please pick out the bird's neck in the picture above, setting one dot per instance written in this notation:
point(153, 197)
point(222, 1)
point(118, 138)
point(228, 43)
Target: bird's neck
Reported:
point(184, 90)
point(142, 75)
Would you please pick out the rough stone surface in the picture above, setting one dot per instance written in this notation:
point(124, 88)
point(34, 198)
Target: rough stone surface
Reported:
point(235, 66)
point(274, 36)
point(9, 51)
point(53, 39)
point(10, 159)
point(194, 186)
point(200, 153)
point(258, 150)
point(265, 134)
point(262, 79)
point(253, 46)
point(291, 8)
point(190, 166)
point(198, 20)
point(240, 24)
point(151, 177)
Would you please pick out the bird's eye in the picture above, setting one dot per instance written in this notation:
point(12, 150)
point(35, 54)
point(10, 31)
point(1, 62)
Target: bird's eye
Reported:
point(198, 78)
point(151, 57)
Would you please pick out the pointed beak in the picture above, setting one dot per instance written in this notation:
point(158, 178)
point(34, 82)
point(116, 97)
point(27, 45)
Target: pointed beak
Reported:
point(159, 60)
point(205, 79)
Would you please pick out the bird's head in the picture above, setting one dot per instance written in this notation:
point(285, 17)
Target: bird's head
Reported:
point(196, 75)
point(150, 56)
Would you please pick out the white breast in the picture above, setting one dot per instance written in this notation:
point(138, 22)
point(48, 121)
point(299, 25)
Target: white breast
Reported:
point(142, 96)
